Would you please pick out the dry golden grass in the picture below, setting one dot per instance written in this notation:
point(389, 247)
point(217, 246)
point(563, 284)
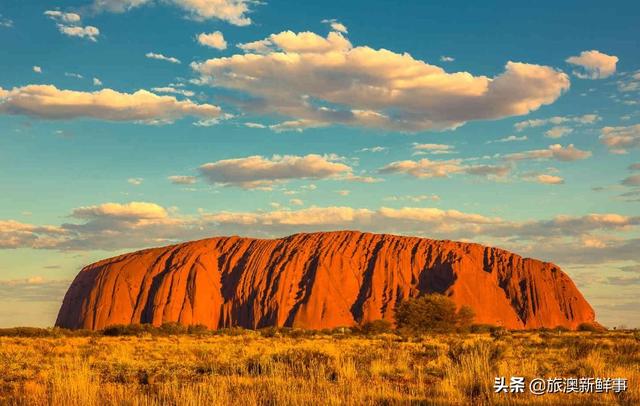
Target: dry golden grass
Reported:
point(251, 369)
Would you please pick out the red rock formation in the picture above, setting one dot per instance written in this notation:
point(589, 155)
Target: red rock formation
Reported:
point(317, 280)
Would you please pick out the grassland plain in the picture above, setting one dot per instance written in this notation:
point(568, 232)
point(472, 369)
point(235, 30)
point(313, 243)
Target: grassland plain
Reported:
point(271, 367)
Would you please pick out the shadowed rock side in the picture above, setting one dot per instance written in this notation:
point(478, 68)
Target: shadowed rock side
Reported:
point(317, 280)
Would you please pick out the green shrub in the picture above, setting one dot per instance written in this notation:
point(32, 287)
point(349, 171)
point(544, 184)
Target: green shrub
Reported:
point(432, 313)
point(197, 329)
point(117, 330)
point(499, 332)
point(591, 327)
point(172, 329)
point(560, 329)
point(484, 328)
point(270, 332)
point(376, 327)
point(230, 331)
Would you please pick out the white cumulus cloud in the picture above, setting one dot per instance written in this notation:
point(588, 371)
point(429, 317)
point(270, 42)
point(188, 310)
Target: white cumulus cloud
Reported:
point(232, 11)
point(182, 179)
point(594, 64)
point(336, 25)
point(558, 132)
point(161, 57)
point(49, 102)
point(257, 171)
point(549, 179)
point(555, 151)
point(316, 81)
point(427, 168)
point(70, 24)
point(585, 119)
point(213, 40)
point(620, 139)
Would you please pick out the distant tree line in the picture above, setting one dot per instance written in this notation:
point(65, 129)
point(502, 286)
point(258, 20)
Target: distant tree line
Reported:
point(429, 313)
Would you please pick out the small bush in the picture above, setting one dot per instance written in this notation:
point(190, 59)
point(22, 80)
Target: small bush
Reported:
point(376, 327)
point(484, 328)
point(197, 329)
point(117, 330)
point(172, 329)
point(499, 332)
point(230, 331)
point(590, 327)
point(296, 333)
point(270, 332)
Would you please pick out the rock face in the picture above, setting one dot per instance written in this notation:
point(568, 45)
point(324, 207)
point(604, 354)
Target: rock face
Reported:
point(317, 280)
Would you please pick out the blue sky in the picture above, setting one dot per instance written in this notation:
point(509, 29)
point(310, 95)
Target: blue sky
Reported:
point(370, 115)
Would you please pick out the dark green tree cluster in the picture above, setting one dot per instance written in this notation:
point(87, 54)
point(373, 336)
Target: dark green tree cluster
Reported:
point(432, 313)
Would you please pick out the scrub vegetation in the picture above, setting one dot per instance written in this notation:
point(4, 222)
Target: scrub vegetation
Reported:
point(176, 365)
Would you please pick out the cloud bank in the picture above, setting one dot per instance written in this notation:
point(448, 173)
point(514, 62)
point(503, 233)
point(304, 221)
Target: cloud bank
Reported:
point(49, 102)
point(620, 139)
point(232, 11)
point(257, 171)
point(319, 81)
point(588, 239)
